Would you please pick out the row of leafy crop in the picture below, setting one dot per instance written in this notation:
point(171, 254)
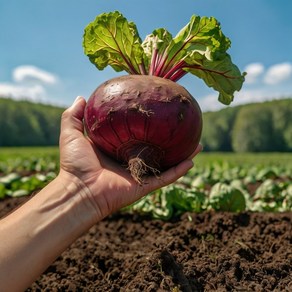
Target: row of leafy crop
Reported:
point(222, 188)
point(219, 181)
point(15, 185)
point(24, 171)
point(28, 165)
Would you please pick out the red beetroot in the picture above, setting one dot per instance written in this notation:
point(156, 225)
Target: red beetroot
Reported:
point(146, 122)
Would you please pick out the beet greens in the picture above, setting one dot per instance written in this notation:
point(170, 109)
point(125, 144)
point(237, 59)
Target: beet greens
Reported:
point(199, 48)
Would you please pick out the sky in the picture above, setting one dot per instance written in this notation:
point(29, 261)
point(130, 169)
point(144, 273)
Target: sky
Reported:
point(42, 59)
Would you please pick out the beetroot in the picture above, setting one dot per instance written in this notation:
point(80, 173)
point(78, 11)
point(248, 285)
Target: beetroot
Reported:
point(146, 122)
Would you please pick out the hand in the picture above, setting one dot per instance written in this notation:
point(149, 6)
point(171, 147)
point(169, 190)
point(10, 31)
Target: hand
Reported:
point(107, 185)
point(89, 187)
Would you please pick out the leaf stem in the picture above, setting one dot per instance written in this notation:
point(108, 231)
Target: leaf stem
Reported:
point(161, 63)
point(178, 75)
point(224, 73)
point(168, 65)
point(142, 69)
point(174, 69)
point(153, 61)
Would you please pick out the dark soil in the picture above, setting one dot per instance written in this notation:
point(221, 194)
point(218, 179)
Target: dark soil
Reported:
point(196, 252)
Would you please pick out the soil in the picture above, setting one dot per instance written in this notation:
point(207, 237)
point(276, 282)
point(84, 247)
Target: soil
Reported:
point(196, 252)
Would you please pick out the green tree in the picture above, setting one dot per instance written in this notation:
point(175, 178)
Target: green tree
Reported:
point(253, 129)
point(24, 123)
point(282, 122)
point(217, 129)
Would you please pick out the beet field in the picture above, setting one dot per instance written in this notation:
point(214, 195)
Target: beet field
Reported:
point(225, 226)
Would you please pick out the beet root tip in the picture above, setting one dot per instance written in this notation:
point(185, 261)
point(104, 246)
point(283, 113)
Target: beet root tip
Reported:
point(138, 169)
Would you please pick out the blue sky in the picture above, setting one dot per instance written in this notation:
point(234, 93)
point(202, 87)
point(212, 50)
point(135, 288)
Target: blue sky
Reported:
point(41, 54)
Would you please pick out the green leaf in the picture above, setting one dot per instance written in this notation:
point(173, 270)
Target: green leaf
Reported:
point(199, 182)
point(170, 201)
point(19, 193)
point(287, 202)
point(200, 48)
point(224, 197)
point(111, 40)
point(268, 190)
point(222, 75)
point(203, 35)
point(9, 178)
point(204, 49)
point(185, 200)
point(266, 173)
point(2, 190)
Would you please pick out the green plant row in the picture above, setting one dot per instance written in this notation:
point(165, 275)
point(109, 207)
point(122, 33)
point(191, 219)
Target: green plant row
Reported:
point(218, 181)
point(14, 185)
point(26, 170)
point(221, 187)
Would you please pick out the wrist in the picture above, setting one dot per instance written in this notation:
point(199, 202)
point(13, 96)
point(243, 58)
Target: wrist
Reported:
point(43, 228)
point(92, 192)
point(78, 198)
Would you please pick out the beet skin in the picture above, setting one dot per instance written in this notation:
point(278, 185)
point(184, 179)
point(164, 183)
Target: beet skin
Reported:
point(147, 123)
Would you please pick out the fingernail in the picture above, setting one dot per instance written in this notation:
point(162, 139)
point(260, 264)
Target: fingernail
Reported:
point(77, 99)
point(190, 164)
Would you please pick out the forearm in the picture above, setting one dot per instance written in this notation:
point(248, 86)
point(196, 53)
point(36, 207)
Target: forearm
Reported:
point(34, 235)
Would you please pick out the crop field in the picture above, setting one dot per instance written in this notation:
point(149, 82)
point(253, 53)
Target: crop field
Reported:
point(26, 170)
point(218, 181)
point(227, 182)
point(225, 226)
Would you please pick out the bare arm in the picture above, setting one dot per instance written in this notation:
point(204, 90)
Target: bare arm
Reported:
point(88, 188)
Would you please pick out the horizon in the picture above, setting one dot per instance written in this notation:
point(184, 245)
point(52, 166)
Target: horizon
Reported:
point(47, 103)
point(42, 57)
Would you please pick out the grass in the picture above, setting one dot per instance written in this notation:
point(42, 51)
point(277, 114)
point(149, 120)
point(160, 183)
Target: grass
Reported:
point(203, 159)
point(218, 181)
point(19, 152)
point(246, 159)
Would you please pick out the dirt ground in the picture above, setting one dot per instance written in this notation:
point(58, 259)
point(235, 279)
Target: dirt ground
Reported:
point(196, 252)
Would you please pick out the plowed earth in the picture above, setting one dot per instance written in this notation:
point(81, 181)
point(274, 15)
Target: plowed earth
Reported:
point(196, 252)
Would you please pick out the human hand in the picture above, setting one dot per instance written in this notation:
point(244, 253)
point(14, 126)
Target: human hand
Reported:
point(106, 184)
point(89, 187)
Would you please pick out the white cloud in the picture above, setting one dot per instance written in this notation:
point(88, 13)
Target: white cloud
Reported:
point(253, 70)
point(16, 91)
point(251, 96)
point(278, 73)
point(32, 73)
point(275, 74)
point(29, 82)
point(211, 103)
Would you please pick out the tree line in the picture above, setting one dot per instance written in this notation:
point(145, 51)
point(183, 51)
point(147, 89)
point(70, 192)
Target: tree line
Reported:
point(254, 127)
point(24, 123)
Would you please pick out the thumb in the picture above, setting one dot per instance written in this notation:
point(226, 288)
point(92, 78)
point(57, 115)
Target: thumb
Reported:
point(72, 117)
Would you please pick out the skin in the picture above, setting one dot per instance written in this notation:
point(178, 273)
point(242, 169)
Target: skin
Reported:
point(88, 188)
